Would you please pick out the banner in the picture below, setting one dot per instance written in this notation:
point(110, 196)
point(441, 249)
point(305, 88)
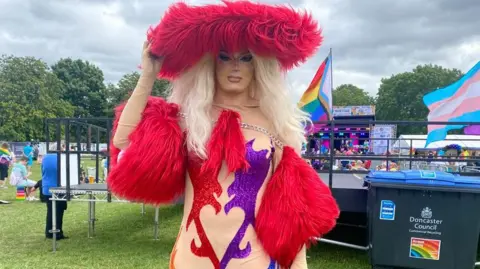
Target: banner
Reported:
point(345, 111)
point(380, 147)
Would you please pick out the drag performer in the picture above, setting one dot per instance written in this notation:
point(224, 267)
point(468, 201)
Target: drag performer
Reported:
point(227, 139)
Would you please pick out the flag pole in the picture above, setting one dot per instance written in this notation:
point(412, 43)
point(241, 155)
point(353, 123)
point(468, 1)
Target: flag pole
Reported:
point(331, 79)
point(332, 127)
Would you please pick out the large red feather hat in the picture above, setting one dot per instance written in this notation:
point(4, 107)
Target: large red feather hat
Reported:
point(186, 33)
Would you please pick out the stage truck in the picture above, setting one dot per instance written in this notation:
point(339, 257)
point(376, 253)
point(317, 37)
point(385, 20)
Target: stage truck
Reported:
point(355, 135)
point(78, 139)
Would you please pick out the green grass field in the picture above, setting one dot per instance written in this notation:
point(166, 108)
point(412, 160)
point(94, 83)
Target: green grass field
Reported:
point(124, 238)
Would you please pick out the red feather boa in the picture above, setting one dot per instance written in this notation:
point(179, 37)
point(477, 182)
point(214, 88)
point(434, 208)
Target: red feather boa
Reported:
point(152, 169)
point(186, 33)
point(296, 207)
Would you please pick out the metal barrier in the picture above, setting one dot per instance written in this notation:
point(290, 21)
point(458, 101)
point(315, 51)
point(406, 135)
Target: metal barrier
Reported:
point(409, 160)
point(98, 130)
point(76, 131)
point(70, 134)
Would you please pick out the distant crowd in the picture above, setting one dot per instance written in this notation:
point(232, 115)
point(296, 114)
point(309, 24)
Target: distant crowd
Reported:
point(20, 168)
point(317, 154)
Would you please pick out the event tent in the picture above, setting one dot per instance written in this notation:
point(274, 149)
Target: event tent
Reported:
point(418, 142)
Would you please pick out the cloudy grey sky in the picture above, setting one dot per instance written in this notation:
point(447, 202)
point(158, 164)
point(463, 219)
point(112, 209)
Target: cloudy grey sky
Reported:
point(370, 39)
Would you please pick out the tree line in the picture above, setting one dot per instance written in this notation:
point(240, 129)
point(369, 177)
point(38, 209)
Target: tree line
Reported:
point(31, 91)
point(400, 96)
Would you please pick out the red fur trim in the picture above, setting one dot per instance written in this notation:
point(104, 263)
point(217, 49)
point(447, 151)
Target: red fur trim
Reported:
point(234, 144)
point(152, 169)
point(226, 143)
point(186, 33)
point(215, 147)
point(296, 207)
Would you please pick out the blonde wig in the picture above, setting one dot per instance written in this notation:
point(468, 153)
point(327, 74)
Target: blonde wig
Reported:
point(194, 92)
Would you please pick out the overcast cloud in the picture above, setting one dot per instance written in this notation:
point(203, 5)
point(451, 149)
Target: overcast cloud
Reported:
point(370, 39)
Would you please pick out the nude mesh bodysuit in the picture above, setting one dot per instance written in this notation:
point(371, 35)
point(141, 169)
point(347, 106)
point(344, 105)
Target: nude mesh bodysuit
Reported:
point(227, 239)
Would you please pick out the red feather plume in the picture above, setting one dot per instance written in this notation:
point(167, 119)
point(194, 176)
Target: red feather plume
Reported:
point(152, 169)
point(296, 207)
point(186, 33)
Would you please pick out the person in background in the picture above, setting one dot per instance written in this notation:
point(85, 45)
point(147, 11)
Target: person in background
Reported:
point(49, 180)
point(311, 145)
point(5, 162)
point(40, 153)
point(465, 154)
point(28, 152)
point(105, 167)
point(38, 186)
point(35, 151)
point(19, 178)
point(430, 157)
point(477, 162)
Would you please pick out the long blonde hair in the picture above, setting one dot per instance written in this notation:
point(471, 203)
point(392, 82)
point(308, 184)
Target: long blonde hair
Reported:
point(194, 91)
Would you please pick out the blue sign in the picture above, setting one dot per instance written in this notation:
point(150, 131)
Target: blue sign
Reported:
point(387, 210)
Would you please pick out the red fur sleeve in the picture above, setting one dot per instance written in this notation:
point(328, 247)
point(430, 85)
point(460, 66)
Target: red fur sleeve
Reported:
point(296, 207)
point(152, 168)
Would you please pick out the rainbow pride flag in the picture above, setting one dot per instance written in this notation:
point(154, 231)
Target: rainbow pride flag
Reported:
point(4, 152)
point(458, 102)
point(317, 99)
point(422, 248)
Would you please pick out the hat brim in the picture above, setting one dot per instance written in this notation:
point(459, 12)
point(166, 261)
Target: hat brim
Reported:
point(186, 33)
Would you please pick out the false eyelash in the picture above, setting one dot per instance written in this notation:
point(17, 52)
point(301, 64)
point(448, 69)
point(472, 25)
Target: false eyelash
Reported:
point(246, 58)
point(223, 57)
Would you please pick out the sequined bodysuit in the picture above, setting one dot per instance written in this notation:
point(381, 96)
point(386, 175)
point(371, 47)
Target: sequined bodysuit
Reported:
point(228, 205)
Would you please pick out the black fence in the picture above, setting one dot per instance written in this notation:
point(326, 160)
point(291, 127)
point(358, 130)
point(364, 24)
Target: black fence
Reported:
point(394, 155)
point(84, 136)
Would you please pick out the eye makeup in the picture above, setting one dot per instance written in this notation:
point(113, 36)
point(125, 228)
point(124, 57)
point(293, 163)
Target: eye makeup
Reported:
point(225, 57)
point(246, 58)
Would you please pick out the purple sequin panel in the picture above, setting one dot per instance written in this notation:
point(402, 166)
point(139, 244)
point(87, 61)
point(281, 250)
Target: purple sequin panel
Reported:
point(273, 265)
point(245, 188)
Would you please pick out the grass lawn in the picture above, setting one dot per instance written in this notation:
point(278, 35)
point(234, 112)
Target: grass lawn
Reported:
point(124, 238)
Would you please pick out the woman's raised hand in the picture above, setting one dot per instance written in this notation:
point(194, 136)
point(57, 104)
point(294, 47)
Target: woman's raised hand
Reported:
point(151, 64)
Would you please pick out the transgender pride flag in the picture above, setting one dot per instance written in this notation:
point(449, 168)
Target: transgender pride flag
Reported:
point(459, 102)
